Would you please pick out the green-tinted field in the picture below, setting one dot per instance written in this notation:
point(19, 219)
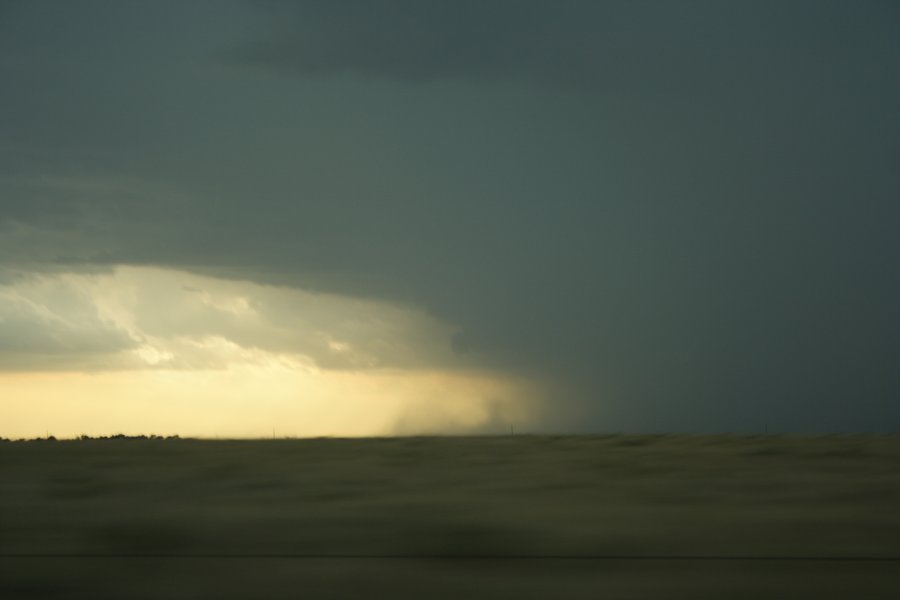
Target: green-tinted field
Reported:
point(465, 503)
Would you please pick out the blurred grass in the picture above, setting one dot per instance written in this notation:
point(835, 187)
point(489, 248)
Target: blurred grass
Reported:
point(454, 496)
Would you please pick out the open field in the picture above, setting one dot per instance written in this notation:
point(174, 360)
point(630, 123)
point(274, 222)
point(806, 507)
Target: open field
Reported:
point(516, 517)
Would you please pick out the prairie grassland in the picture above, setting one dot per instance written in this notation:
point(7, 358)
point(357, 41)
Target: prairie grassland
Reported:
point(442, 517)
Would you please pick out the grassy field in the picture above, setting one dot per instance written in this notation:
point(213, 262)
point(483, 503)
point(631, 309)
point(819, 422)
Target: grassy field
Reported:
point(493, 517)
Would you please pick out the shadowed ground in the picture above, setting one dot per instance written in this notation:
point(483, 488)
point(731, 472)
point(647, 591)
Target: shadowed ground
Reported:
point(522, 516)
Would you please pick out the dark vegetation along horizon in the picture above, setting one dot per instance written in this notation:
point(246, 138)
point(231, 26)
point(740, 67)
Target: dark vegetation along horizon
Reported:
point(174, 437)
point(525, 516)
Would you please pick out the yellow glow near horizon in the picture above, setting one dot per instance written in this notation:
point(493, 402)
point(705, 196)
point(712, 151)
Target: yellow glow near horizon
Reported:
point(251, 402)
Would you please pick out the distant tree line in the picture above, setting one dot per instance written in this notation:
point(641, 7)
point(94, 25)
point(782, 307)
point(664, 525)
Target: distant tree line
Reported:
point(118, 436)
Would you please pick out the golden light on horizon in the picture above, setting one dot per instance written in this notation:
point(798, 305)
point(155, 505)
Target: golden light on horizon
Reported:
point(246, 402)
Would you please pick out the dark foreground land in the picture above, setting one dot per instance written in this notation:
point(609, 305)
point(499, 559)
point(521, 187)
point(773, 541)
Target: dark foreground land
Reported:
point(491, 517)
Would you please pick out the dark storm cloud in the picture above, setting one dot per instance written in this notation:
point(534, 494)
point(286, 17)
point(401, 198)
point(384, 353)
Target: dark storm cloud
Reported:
point(585, 44)
point(688, 215)
point(409, 41)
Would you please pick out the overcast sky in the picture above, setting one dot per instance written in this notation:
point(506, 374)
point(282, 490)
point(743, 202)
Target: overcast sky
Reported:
point(664, 215)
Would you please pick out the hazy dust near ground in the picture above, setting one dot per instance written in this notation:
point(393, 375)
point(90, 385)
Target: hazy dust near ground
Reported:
point(467, 503)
